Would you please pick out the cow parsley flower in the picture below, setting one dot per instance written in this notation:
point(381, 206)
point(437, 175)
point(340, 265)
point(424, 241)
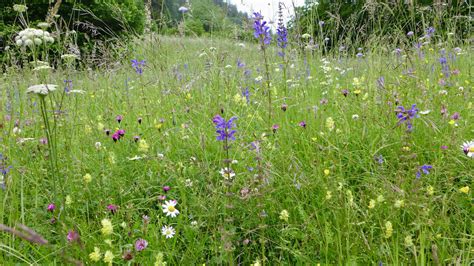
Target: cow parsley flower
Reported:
point(41, 89)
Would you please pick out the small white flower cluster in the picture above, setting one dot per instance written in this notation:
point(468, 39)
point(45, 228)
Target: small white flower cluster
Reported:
point(31, 37)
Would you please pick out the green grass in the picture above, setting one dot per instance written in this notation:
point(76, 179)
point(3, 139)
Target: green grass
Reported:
point(239, 222)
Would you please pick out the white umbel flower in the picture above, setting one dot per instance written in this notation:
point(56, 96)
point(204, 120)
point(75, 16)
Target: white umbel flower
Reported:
point(42, 89)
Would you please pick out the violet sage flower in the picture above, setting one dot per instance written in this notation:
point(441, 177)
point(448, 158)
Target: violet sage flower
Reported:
point(423, 169)
point(138, 65)
point(406, 116)
point(261, 29)
point(224, 128)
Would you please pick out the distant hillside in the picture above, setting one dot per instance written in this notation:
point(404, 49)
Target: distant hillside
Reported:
point(204, 16)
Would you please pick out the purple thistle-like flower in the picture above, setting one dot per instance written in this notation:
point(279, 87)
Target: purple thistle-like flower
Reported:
point(119, 118)
point(166, 188)
point(51, 207)
point(138, 65)
point(141, 244)
point(224, 128)
point(261, 29)
point(72, 236)
point(302, 124)
point(112, 208)
point(423, 169)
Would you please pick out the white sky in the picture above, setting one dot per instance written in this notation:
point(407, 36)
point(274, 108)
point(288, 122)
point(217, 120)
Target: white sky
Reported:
point(268, 8)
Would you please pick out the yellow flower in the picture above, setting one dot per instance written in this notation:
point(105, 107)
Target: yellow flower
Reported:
point(408, 241)
point(284, 215)
point(109, 257)
point(328, 195)
point(464, 190)
point(350, 197)
point(406, 148)
point(430, 190)
point(87, 178)
point(330, 123)
point(380, 198)
point(143, 146)
point(111, 158)
point(95, 256)
point(357, 92)
point(100, 126)
point(87, 129)
point(107, 227)
point(388, 229)
point(327, 172)
point(399, 204)
point(371, 204)
point(159, 260)
point(108, 242)
point(68, 200)
point(452, 122)
point(256, 263)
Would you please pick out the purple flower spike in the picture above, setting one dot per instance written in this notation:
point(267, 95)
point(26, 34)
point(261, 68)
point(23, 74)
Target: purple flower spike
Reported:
point(224, 128)
point(261, 29)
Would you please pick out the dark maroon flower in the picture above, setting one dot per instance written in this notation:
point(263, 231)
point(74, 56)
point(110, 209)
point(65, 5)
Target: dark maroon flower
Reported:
point(127, 255)
point(136, 138)
point(323, 101)
point(284, 107)
point(139, 120)
point(43, 141)
point(121, 132)
point(275, 127)
point(345, 92)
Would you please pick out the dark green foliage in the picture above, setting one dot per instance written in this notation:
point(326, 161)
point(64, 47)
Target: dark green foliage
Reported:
point(360, 22)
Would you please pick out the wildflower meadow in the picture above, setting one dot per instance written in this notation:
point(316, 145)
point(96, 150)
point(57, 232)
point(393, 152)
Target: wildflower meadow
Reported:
point(280, 149)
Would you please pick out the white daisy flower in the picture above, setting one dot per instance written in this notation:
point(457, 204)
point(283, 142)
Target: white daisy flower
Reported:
point(170, 209)
point(76, 92)
point(468, 148)
point(42, 89)
point(227, 173)
point(168, 231)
